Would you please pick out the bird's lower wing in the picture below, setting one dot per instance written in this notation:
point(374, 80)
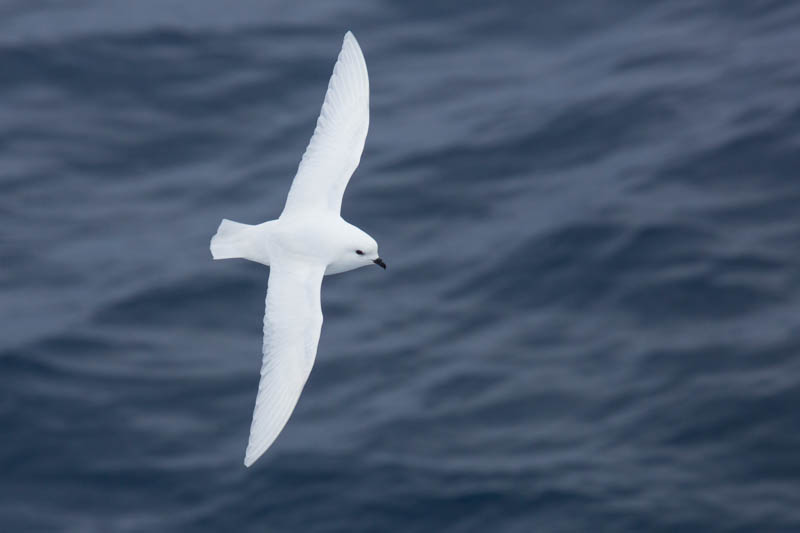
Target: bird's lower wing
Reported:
point(292, 324)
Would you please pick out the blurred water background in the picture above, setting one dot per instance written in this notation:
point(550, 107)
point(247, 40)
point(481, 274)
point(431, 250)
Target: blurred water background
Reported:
point(591, 216)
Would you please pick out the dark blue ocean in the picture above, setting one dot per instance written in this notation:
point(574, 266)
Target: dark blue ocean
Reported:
point(591, 317)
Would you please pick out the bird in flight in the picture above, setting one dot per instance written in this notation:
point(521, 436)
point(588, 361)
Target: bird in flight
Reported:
point(307, 241)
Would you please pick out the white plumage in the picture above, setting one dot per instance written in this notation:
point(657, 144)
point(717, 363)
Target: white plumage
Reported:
point(335, 148)
point(308, 241)
point(292, 324)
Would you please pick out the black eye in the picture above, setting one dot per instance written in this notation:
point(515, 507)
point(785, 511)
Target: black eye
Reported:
point(359, 252)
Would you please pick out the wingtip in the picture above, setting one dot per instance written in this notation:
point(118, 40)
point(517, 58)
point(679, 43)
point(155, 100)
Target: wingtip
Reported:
point(251, 455)
point(250, 458)
point(350, 37)
point(350, 45)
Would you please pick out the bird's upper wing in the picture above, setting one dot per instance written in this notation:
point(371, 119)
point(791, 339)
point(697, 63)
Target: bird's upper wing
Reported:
point(292, 324)
point(335, 148)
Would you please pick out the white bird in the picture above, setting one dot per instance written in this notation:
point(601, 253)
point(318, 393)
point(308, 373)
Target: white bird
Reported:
point(309, 240)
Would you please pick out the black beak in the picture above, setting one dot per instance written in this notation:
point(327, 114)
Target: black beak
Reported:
point(380, 263)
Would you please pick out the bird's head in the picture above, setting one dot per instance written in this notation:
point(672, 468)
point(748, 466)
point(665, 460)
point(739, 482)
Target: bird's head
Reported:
point(358, 249)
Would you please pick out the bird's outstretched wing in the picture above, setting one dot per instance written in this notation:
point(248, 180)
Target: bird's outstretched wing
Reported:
point(292, 324)
point(335, 148)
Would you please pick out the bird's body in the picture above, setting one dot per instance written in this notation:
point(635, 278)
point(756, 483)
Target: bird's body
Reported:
point(309, 240)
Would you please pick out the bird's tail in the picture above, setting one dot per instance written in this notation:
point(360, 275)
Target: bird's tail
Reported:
point(232, 240)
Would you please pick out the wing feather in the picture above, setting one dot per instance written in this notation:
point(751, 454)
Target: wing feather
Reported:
point(292, 324)
point(335, 148)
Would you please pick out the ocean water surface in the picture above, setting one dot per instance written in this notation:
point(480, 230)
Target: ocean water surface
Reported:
point(591, 315)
